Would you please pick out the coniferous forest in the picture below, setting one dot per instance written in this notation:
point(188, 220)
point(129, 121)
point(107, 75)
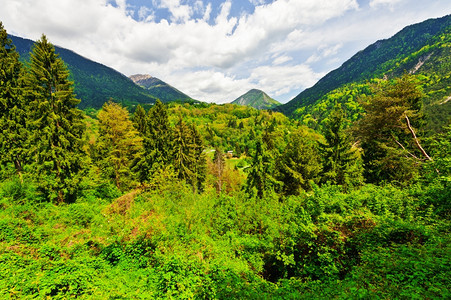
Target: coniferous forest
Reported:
point(190, 201)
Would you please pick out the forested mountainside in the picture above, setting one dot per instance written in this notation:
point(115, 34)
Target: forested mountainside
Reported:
point(94, 83)
point(257, 99)
point(160, 89)
point(422, 49)
point(206, 201)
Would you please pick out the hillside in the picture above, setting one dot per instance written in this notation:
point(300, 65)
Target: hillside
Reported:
point(257, 99)
point(160, 89)
point(94, 83)
point(422, 49)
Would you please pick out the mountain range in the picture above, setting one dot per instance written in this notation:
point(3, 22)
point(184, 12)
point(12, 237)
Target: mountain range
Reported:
point(95, 83)
point(423, 49)
point(257, 99)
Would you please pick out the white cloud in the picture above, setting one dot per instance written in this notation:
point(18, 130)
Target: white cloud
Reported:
point(214, 56)
point(387, 3)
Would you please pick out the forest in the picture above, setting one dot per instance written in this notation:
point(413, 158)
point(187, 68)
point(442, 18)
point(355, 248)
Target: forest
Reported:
point(210, 201)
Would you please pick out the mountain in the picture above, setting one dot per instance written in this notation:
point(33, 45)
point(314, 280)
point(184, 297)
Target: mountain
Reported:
point(160, 89)
point(257, 99)
point(423, 49)
point(94, 83)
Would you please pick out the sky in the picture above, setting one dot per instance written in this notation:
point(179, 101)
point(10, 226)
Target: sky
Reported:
point(217, 50)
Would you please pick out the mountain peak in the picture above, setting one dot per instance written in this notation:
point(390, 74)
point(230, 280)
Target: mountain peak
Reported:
point(140, 77)
point(257, 99)
point(159, 88)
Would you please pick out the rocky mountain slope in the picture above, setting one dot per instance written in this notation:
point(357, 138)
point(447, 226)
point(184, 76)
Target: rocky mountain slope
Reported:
point(160, 89)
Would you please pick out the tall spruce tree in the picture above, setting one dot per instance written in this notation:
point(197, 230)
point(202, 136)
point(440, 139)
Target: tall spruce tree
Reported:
point(200, 162)
point(340, 161)
point(156, 134)
point(261, 174)
point(299, 164)
point(56, 125)
point(13, 137)
point(188, 160)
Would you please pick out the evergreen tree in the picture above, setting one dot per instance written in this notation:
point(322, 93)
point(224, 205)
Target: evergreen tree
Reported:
point(56, 126)
point(188, 160)
point(118, 145)
point(160, 132)
point(140, 120)
point(183, 151)
point(340, 161)
point(299, 164)
point(13, 137)
point(200, 162)
point(156, 133)
point(392, 150)
point(260, 179)
point(218, 168)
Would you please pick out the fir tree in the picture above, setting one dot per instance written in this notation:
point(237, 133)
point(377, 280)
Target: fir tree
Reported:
point(260, 179)
point(13, 137)
point(55, 124)
point(189, 160)
point(183, 151)
point(140, 120)
point(200, 166)
point(156, 133)
point(340, 161)
point(299, 164)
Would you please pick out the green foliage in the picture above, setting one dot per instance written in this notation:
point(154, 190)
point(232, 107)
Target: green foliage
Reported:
point(421, 49)
point(341, 163)
point(12, 111)
point(299, 164)
point(193, 229)
point(55, 125)
point(387, 132)
point(117, 145)
point(256, 99)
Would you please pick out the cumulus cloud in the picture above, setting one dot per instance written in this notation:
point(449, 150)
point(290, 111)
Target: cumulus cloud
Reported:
point(212, 53)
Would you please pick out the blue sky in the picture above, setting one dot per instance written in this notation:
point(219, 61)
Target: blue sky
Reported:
point(216, 50)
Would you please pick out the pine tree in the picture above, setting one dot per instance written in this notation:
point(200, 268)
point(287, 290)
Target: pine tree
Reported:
point(13, 137)
point(392, 150)
point(118, 145)
point(340, 161)
point(55, 124)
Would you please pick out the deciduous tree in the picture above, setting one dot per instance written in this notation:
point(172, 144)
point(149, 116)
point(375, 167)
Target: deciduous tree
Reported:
point(118, 145)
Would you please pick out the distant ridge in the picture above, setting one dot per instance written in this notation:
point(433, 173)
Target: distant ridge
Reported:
point(421, 48)
point(94, 83)
point(160, 89)
point(257, 99)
